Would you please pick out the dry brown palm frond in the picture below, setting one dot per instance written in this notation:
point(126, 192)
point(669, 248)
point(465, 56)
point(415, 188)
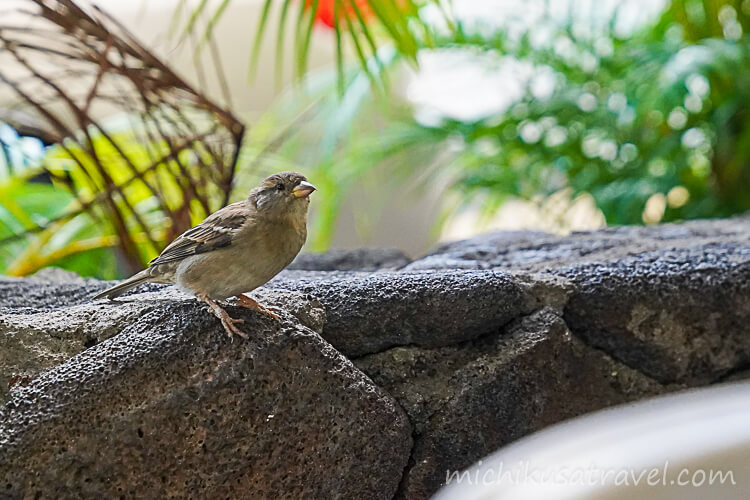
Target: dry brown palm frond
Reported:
point(71, 67)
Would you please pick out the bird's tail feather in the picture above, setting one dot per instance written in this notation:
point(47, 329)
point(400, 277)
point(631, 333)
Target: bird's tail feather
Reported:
point(123, 287)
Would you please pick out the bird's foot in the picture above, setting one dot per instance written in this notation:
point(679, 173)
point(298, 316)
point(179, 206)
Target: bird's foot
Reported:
point(229, 326)
point(250, 303)
point(229, 323)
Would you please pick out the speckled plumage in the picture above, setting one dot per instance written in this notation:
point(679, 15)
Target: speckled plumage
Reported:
point(236, 249)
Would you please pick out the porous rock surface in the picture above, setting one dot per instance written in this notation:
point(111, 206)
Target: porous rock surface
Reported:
point(358, 259)
point(383, 375)
point(466, 401)
point(672, 301)
point(369, 312)
point(164, 405)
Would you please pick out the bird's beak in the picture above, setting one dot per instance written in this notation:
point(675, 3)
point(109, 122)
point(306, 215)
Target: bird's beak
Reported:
point(303, 189)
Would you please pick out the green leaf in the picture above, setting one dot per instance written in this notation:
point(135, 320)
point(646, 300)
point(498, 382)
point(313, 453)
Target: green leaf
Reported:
point(280, 34)
point(259, 36)
point(339, 47)
point(303, 50)
point(213, 20)
point(364, 63)
point(368, 35)
point(193, 19)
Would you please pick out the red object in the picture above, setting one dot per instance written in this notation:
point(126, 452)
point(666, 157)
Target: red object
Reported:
point(324, 13)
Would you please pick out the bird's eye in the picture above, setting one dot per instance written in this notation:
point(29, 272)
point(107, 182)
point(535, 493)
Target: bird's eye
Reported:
point(279, 187)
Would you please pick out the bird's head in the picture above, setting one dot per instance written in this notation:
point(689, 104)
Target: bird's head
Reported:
point(286, 194)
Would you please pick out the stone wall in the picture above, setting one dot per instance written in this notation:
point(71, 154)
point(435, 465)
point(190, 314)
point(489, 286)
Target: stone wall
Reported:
point(383, 373)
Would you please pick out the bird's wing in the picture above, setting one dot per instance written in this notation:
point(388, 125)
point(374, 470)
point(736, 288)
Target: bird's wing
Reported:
point(217, 231)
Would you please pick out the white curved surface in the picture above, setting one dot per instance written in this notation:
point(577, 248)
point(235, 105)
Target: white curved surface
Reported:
point(664, 448)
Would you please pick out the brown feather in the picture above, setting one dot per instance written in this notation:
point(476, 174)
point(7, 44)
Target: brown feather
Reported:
point(217, 231)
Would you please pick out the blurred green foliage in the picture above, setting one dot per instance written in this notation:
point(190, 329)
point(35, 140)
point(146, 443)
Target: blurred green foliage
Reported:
point(29, 199)
point(653, 123)
point(53, 209)
point(661, 112)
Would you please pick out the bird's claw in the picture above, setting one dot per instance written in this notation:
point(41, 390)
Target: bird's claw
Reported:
point(229, 326)
point(227, 321)
point(250, 303)
point(267, 311)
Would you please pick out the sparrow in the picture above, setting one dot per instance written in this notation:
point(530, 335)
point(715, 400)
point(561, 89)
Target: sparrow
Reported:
point(234, 250)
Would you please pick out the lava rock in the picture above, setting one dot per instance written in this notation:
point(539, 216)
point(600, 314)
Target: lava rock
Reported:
point(538, 251)
point(679, 315)
point(672, 301)
point(360, 259)
point(39, 293)
point(466, 401)
point(369, 312)
point(481, 252)
point(170, 407)
point(46, 332)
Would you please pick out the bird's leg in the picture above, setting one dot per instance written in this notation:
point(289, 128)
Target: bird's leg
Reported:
point(227, 321)
point(250, 303)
